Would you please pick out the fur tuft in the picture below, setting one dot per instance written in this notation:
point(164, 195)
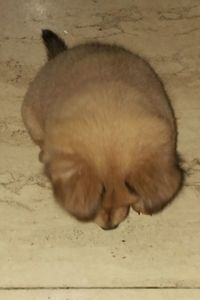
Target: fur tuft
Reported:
point(54, 44)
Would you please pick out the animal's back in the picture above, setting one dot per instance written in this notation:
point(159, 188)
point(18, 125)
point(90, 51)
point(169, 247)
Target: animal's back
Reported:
point(106, 69)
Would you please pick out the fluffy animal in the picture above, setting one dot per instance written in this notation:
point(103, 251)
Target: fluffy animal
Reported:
point(106, 131)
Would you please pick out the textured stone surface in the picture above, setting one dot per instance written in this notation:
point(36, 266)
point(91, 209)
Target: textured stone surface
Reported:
point(40, 246)
point(100, 294)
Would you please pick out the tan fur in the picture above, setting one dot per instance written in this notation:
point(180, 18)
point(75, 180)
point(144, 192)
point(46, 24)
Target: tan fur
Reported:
point(101, 118)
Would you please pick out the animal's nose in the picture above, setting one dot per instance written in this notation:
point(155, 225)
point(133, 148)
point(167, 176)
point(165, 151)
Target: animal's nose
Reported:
point(110, 227)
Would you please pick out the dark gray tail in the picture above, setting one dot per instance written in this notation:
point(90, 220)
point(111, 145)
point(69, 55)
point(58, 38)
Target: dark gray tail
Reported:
point(54, 44)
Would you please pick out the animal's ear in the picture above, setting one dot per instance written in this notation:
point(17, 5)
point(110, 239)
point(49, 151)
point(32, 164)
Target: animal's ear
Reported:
point(157, 180)
point(75, 185)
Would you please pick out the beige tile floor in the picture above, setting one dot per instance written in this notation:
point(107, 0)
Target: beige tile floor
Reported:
point(42, 250)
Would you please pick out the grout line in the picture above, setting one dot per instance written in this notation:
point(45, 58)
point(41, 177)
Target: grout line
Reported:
point(103, 288)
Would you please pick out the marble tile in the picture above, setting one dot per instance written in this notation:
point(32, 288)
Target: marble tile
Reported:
point(40, 246)
point(100, 294)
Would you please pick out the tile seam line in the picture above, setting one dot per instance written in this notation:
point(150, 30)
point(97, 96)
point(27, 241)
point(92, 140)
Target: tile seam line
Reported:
point(101, 288)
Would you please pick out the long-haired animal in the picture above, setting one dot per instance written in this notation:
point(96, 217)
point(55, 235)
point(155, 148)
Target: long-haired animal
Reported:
point(106, 131)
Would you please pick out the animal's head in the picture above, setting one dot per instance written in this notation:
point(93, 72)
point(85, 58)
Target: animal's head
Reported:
point(147, 186)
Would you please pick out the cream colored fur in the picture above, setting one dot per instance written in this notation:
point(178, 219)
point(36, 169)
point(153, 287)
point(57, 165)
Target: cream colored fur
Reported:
point(108, 108)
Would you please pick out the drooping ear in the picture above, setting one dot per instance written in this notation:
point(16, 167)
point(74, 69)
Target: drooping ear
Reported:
point(75, 185)
point(157, 181)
